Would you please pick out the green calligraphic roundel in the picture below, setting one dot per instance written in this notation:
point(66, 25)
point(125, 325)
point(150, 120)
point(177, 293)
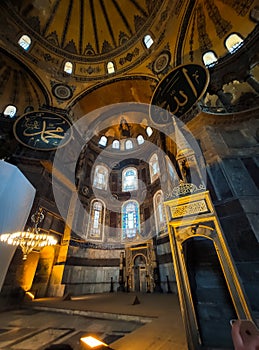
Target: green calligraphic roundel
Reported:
point(42, 130)
point(178, 91)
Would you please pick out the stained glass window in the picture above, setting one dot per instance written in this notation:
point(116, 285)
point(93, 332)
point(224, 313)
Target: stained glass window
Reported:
point(154, 167)
point(129, 179)
point(95, 227)
point(100, 177)
point(130, 219)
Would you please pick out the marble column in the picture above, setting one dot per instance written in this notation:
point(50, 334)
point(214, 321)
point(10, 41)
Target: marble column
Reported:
point(224, 100)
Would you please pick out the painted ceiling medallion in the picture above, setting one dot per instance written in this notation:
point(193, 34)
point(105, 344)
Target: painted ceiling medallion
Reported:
point(62, 92)
point(162, 62)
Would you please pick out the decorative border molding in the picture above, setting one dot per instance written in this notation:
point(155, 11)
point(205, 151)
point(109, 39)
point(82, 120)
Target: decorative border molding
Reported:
point(184, 189)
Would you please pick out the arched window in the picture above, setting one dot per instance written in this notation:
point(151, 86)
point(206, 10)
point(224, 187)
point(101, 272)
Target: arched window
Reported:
point(128, 144)
point(103, 141)
point(129, 179)
point(25, 42)
point(110, 67)
point(149, 131)
point(140, 139)
point(130, 219)
point(158, 202)
point(10, 111)
point(68, 67)
point(100, 177)
point(233, 42)
point(116, 144)
point(154, 167)
point(148, 41)
point(96, 219)
point(209, 58)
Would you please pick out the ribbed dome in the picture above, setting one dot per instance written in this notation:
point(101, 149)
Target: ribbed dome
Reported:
point(90, 34)
point(87, 28)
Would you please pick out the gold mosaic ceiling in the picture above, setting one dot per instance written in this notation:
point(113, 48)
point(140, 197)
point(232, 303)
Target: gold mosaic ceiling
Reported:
point(87, 27)
point(92, 32)
point(89, 33)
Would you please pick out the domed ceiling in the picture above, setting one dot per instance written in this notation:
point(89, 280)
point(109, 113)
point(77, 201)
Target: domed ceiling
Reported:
point(14, 79)
point(90, 33)
point(210, 23)
point(93, 30)
point(88, 28)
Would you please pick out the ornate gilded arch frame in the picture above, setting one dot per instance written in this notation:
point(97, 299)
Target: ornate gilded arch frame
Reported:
point(193, 215)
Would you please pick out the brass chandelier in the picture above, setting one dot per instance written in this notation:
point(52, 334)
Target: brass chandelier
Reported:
point(30, 239)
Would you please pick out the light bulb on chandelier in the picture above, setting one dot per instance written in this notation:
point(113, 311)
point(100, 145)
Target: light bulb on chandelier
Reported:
point(30, 239)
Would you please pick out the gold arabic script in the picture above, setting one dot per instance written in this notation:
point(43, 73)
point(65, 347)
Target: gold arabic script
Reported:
point(45, 133)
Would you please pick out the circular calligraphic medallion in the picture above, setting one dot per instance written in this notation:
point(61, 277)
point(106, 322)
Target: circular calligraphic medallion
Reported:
point(62, 92)
point(43, 131)
point(161, 62)
point(177, 92)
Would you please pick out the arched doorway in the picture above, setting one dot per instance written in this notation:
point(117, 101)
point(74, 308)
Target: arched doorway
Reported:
point(210, 295)
point(209, 289)
point(139, 267)
point(140, 273)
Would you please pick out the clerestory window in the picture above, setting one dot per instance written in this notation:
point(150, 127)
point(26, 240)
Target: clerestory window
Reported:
point(148, 41)
point(233, 42)
point(25, 42)
point(10, 111)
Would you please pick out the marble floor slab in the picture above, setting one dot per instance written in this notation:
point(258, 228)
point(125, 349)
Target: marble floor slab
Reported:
point(35, 330)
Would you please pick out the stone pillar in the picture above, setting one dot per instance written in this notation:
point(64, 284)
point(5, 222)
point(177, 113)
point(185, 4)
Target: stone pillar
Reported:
point(224, 100)
point(121, 287)
point(26, 271)
point(156, 273)
point(56, 287)
point(157, 280)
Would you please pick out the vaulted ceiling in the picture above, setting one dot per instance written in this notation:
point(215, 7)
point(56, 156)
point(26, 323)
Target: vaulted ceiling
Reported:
point(90, 33)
